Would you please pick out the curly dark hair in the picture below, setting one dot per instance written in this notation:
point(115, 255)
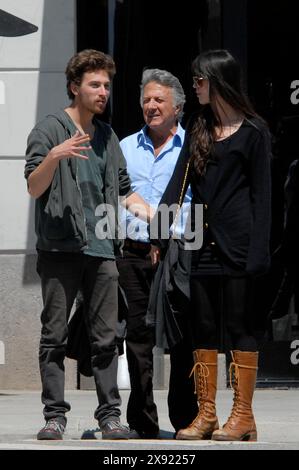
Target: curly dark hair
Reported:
point(87, 60)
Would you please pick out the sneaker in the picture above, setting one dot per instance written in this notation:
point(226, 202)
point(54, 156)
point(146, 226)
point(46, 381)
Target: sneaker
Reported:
point(133, 434)
point(116, 430)
point(53, 430)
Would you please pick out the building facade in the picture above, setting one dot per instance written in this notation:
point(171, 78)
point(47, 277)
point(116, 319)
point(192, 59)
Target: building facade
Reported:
point(37, 37)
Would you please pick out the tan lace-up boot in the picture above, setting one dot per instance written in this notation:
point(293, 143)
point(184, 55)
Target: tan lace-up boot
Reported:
point(205, 378)
point(240, 426)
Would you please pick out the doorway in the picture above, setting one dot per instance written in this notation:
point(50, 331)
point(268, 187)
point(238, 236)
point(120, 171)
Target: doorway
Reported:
point(265, 38)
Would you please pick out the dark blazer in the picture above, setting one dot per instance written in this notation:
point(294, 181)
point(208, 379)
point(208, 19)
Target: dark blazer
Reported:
point(237, 204)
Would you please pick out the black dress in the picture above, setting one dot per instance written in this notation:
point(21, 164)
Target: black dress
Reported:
point(235, 191)
point(207, 260)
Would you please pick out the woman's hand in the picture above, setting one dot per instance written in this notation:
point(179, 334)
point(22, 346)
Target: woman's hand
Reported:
point(155, 254)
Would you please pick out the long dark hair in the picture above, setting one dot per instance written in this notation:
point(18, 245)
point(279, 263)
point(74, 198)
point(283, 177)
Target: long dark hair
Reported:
point(224, 75)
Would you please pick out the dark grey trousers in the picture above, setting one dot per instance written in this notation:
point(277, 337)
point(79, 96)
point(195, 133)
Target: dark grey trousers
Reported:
point(62, 274)
point(136, 273)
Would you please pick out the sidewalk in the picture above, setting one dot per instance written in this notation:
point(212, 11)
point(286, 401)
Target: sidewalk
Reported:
point(276, 412)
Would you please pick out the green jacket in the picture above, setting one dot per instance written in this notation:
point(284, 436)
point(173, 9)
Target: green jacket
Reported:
point(59, 216)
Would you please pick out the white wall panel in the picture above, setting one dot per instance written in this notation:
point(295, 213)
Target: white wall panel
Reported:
point(16, 220)
point(29, 96)
point(32, 84)
point(51, 45)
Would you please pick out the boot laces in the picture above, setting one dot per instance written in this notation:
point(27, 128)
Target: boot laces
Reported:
point(234, 379)
point(200, 372)
point(234, 375)
point(200, 379)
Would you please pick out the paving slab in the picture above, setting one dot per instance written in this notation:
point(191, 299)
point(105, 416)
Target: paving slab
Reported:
point(276, 412)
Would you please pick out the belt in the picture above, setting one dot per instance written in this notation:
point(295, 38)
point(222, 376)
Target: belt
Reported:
point(137, 246)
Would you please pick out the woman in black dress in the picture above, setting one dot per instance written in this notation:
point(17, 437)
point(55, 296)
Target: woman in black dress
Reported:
point(226, 158)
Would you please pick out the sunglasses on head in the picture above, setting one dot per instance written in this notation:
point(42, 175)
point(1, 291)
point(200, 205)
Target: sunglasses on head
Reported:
point(198, 80)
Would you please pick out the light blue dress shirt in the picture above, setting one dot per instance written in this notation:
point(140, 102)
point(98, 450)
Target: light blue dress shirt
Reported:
point(150, 176)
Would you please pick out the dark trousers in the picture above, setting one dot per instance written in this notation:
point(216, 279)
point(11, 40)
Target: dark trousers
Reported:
point(135, 276)
point(182, 401)
point(216, 299)
point(62, 274)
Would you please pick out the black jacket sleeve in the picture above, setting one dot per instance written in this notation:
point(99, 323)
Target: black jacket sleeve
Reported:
point(258, 261)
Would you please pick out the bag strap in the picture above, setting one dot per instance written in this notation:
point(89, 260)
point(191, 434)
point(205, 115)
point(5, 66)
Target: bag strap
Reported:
point(181, 196)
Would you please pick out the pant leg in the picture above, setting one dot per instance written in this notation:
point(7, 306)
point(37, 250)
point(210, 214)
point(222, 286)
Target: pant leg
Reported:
point(199, 332)
point(205, 311)
point(60, 275)
point(100, 290)
point(182, 401)
point(136, 274)
point(236, 291)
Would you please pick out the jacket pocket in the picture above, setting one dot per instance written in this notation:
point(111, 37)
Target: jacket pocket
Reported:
point(60, 227)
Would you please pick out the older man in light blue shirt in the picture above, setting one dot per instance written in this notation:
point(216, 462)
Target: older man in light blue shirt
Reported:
point(151, 156)
point(150, 175)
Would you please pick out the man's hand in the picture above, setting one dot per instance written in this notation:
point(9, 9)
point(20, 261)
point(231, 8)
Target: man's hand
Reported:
point(138, 207)
point(41, 178)
point(71, 147)
point(155, 254)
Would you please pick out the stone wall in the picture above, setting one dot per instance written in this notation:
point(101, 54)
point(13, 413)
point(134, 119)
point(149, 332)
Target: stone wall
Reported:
point(32, 85)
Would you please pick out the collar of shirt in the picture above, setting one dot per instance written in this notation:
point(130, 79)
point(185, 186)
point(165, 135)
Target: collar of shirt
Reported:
point(145, 141)
point(149, 174)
